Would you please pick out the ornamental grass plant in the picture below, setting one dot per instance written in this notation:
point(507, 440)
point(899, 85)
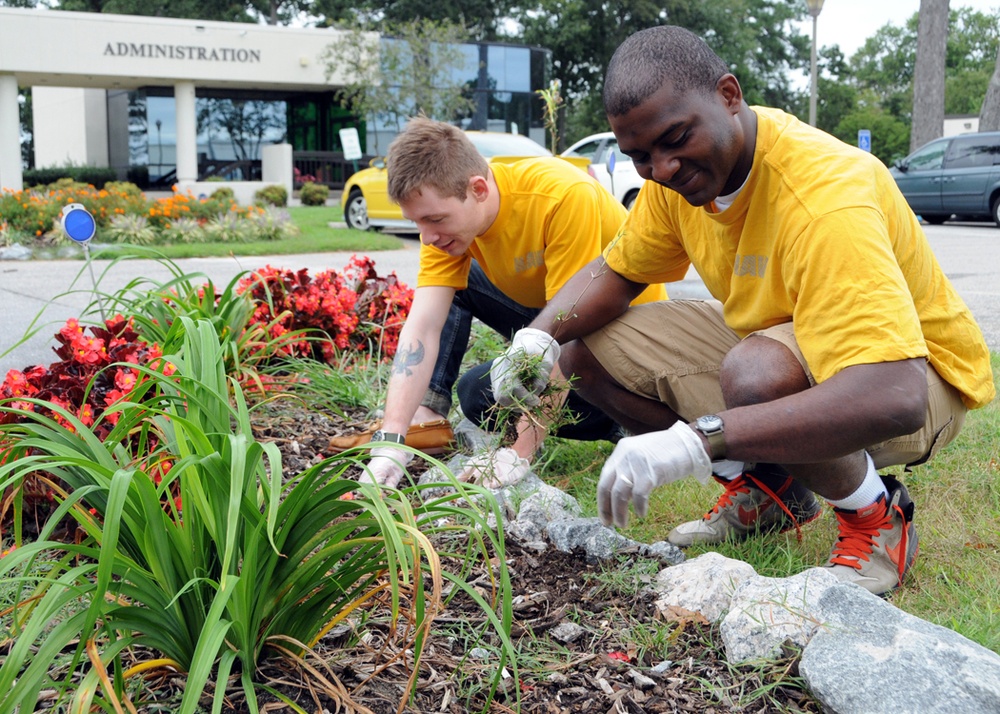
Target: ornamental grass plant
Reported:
point(198, 556)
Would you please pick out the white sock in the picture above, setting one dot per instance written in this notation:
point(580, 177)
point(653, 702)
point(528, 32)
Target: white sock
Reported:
point(724, 468)
point(866, 494)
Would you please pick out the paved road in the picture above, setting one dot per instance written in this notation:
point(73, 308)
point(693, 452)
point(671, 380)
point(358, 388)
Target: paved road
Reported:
point(52, 291)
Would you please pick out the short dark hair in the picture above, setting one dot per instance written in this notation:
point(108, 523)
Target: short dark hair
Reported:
point(649, 58)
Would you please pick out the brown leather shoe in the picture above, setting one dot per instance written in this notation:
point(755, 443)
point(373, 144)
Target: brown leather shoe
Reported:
point(431, 437)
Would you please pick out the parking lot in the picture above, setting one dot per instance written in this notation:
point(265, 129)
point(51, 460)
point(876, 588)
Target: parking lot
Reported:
point(53, 291)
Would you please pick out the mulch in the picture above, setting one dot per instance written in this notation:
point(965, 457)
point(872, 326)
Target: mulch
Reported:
point(627, 659)
point(611, 667)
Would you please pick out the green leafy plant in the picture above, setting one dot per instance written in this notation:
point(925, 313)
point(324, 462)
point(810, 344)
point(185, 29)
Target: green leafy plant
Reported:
point(130, 228)
point(242, 566)
point(273, 195)
point(223, 192)
point(272, 223)
point(314, 194)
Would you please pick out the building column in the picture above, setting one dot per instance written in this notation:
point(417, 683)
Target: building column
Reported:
point(187, 133)
point(10, 135)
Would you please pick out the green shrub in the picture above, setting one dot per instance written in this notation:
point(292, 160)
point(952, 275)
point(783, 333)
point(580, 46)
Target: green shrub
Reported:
point(223, 192)
point(273, 195)
point(314, 194)
point(92, 175)
point(132, 229)
point(124, 187)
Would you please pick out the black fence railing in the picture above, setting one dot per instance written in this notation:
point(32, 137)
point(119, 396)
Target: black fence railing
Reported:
point(326, 167)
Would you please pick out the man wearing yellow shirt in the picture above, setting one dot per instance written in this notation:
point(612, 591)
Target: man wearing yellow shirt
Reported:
point(835, 345)
point(498, 240)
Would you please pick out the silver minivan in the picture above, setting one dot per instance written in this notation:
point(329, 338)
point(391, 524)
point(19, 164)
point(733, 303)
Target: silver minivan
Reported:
point(954, 176)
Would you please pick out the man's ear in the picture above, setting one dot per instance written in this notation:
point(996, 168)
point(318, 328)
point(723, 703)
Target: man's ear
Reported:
point(728, 88)
point(479, 188)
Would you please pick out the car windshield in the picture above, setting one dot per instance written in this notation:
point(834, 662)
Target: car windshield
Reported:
point(496, 144)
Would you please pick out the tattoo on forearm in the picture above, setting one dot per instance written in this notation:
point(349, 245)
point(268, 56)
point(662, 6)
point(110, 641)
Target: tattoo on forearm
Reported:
point(407, 357)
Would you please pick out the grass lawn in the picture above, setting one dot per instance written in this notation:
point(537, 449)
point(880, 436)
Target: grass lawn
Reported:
point(315, 236)
point(955, 580)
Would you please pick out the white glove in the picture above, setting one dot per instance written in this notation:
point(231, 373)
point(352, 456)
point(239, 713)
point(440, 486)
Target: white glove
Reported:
point(520, 374)
point(496, 469)
point(386, 466)
point(641, 463)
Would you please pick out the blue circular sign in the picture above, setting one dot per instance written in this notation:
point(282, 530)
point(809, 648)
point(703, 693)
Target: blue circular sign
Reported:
point(78, 224)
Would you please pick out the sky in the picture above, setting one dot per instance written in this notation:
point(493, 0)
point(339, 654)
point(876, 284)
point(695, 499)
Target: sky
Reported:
point(849, 23)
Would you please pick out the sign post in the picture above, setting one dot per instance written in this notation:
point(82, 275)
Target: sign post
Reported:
point(351, 142)
point(865, 140)
point(80, 227)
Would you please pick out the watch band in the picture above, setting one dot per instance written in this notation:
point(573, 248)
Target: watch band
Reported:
point(712, 427)
point(716, 445)
point(388, 436)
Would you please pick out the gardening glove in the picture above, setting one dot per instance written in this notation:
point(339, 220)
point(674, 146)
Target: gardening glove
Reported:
point(386, 466)
point(641, 463)
point(495, 469)
point(520, 374)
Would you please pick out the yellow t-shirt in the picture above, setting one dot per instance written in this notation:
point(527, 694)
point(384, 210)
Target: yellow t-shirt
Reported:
point(819, 236)
point(553, 220)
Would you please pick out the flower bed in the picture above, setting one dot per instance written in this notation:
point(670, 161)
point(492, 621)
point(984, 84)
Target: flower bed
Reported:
point(125, 215)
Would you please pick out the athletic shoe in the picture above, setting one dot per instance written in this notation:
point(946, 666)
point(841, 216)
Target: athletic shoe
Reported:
point(877, 544)
point(762, 501)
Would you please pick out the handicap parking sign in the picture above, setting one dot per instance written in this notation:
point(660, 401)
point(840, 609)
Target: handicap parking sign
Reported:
point(864, 140)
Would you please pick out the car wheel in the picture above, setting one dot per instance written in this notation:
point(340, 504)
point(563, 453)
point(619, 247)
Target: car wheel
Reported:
point(629, 200)
point(934, 219)
point(356, 213)
point(995, 210)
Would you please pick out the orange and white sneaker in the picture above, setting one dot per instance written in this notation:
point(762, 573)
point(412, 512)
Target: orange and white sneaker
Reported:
point(764, 500)
point(877, 544)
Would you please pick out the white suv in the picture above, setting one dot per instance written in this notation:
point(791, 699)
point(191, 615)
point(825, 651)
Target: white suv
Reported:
point(625, 183)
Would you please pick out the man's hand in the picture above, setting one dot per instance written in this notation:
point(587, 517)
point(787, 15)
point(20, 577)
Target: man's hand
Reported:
point(641, 463)
point(520, 374)
point(386, 466)
point(496, 469)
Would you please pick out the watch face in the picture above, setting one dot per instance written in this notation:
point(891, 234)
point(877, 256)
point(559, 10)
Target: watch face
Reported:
point(709, 422)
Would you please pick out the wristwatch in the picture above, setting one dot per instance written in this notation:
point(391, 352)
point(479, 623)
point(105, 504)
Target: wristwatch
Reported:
point(712, 427)
point(388, 436)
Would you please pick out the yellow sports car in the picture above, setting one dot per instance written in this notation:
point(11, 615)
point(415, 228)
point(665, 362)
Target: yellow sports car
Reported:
point(366, 201)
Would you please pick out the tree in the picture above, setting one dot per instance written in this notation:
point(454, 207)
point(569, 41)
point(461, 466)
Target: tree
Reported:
point(753, 36)
point(989, 117)
point(224, 10)
point(480, 18)
point(929, 73)
point(418, 70)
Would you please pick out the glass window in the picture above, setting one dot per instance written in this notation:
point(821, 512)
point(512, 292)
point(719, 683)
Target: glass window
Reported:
point(928, 157)
point(972, 152)
point(588, 150)
point(509, 68)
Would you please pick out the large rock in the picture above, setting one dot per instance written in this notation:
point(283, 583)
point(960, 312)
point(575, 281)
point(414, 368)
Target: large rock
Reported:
point(767, 613)
point(869, 656)
point(705, 584)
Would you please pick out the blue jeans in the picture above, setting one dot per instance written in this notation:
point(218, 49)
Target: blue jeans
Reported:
point(484, 301)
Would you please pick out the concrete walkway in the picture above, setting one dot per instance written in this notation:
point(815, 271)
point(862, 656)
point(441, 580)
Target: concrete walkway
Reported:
point(43, 294)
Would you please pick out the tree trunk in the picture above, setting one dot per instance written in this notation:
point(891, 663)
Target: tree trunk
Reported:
point(989, 114)
point(928, 73)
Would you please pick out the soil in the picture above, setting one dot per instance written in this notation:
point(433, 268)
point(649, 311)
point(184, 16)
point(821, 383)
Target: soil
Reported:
point(626, 658)
point(611, 667)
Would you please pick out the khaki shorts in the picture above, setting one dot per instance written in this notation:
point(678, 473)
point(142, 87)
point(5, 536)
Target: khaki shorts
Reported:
point(671, 351)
